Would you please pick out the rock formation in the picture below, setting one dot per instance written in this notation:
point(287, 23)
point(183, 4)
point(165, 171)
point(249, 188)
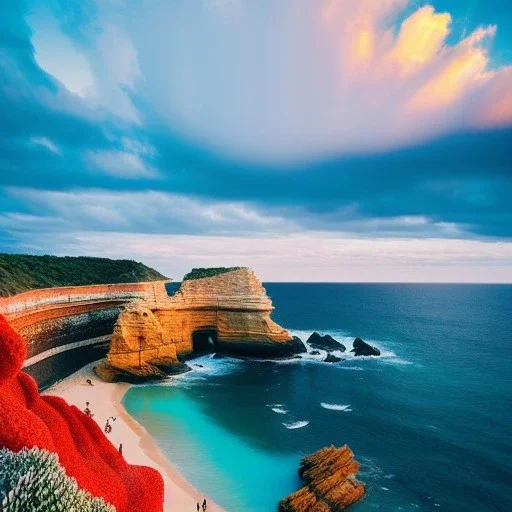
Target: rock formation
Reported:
point(28, 419)
point(68, 327)
point(231, 310)
point(226, 312)
point(330, 485)
point(331, 358)
point(325, 342)
point(363, 349)
point(138, 351)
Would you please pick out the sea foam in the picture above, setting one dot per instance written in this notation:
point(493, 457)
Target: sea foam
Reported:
point(336, 407)
point(296, 424)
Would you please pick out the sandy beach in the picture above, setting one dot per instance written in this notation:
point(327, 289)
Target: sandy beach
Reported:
point(138, 445)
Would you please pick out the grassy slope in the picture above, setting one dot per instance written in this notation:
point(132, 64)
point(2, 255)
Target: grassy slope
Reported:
point(20, 272)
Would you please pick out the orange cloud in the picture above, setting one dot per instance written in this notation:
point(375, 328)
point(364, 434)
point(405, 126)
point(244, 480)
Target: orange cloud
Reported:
point(421, 37)
point(464, 69)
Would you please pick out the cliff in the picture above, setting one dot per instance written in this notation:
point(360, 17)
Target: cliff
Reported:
point(68, 327)
point(28, 419)
point(330, 486)
point(22, 272)
point(228, 312)
point(138, 350)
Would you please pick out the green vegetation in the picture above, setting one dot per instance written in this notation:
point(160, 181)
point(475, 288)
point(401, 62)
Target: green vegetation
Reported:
point(198, 273)
point(34, 480)
point(21, 272)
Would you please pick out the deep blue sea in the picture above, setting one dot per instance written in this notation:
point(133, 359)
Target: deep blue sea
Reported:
point(430, 421)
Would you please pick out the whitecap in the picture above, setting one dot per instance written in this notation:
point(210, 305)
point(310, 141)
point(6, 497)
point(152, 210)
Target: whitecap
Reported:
point(279, 410)
point(296, 424)
point(336, 407)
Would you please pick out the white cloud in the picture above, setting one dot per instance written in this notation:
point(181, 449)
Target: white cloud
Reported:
point(121, 164)
point(300, 257)
point(47, 143)
point(58, 55)
point(292, 80)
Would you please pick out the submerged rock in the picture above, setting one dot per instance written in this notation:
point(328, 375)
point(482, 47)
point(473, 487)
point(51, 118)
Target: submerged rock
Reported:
point(315, 352)
point(325, 342)
point(331, 358)
point(217, 356)
point(330, 484)
point(362, 348)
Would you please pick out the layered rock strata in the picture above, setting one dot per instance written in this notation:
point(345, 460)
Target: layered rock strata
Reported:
point(138, 350)
point(65, 328)
point(330, 484)
point(227, 313)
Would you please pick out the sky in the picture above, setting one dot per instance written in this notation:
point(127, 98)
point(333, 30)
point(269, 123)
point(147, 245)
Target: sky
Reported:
point(311, 140)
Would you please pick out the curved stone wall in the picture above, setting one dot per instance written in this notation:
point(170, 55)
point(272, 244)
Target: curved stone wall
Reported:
point(66, 328)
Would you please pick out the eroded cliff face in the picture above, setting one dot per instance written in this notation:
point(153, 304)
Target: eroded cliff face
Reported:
point(228, 312)
point(65, 328)
point(138, 349)
point(330, 484)
point(232, 308)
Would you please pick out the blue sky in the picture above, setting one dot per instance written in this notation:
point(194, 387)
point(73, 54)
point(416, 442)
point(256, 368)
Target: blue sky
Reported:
point(311, 140)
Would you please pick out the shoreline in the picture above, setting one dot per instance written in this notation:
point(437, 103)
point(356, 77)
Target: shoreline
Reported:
point(139, 447)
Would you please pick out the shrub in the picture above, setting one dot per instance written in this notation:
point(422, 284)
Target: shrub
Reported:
point(199, 273)
point(33, 480)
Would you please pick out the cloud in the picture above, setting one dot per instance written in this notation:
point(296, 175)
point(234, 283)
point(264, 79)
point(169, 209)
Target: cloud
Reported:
point(47, 143)
point(299, 256)
point(135, 212)
point(335, 78)
point(121, 164)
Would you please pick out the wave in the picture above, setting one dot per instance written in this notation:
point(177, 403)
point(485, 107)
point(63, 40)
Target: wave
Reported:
point(279, 410)
point(296, 424)
point(336, 407)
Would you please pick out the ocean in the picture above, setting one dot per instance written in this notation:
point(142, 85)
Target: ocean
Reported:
point(430, 420)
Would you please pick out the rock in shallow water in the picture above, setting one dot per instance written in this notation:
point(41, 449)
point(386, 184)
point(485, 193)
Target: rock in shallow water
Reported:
point(331, 358)
point(325, 342)
point(363, 349)
point(330, 484)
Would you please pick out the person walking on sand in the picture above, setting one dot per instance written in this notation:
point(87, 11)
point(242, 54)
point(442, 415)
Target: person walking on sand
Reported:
point(121, 450)
point(204, 505)
point(198, 507)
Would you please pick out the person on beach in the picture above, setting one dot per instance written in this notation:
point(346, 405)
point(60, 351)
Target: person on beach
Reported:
point(87, 411)
point(89, 381)
point(204, 504)
point(198, 507)
point(121, 451)
point(108, 427)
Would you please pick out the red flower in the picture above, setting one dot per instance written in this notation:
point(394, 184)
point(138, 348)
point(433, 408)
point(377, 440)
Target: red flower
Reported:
point(27, 420)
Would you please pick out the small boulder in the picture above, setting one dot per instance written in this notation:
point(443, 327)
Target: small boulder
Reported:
point(331, 358)
point(315, 352)
point(217, 356)
point(363, 349)
point(325, 342)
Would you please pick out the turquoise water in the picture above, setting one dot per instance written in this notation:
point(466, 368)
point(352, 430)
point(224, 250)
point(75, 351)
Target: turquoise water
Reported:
point(429, 421)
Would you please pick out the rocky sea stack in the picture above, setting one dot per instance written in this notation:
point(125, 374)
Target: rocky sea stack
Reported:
point(362, 348)
point(330, 484)
point(325, 342)
point(224, 311)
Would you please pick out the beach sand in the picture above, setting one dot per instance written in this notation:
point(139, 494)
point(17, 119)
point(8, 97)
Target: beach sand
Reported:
point(138, 445)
